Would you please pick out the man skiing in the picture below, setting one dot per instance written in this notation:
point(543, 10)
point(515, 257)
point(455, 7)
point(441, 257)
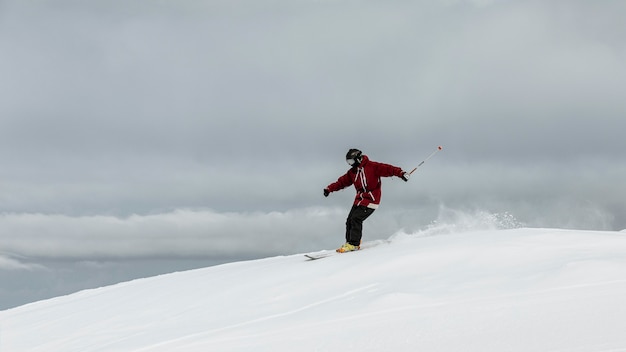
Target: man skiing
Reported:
point(365, 175)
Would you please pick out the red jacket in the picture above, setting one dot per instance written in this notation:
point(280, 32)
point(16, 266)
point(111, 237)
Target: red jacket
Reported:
point(366, 180)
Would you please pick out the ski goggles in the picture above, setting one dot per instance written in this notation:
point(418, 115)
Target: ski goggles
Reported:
point(351, 161)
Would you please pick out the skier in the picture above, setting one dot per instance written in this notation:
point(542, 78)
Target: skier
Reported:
point(365, 175)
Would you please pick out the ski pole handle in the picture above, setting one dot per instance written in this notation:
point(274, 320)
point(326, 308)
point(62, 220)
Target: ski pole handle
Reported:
point(430, 156)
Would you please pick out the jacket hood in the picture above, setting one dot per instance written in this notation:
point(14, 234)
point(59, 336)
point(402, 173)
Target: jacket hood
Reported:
point(364, 160)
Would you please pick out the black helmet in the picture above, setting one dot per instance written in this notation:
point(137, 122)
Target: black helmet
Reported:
point(354, 157)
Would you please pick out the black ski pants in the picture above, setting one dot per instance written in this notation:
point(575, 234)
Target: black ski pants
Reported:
point(354, 223)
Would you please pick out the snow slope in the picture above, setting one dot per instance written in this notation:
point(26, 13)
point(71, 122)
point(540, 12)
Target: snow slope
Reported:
point(493, 290)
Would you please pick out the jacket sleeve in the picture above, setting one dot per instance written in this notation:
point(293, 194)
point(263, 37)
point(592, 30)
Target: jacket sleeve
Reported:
point(386, 170)
point(341, 183)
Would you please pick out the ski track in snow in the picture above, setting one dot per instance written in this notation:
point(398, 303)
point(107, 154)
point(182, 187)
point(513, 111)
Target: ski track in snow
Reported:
point(260, 320)
point(523, 290)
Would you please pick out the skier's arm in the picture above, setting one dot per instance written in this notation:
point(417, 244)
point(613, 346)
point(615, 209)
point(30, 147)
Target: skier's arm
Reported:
point(387, 170)
point(341, 183)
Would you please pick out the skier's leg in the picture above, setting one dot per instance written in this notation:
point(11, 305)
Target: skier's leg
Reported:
point(358, 214)
point(349, 223)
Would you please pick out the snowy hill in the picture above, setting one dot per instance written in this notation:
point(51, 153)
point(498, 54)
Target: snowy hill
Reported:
point(494, 290)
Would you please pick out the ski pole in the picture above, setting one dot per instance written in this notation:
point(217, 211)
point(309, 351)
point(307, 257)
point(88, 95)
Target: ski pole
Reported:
point(430, 156)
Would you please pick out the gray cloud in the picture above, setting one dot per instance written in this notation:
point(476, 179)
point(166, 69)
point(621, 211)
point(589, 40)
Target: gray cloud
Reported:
point(182, 233)
point(8, 262)
point(116, 108)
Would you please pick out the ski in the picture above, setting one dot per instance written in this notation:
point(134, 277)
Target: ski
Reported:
point(331, 252)
point(320, 255)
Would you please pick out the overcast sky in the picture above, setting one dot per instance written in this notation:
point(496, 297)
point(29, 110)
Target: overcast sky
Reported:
point(144, 137)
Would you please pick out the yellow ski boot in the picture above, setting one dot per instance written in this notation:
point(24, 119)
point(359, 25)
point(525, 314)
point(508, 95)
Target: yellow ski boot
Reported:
point(347, 247)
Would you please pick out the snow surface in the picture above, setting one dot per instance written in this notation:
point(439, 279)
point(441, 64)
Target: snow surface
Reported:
point(492, 290)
